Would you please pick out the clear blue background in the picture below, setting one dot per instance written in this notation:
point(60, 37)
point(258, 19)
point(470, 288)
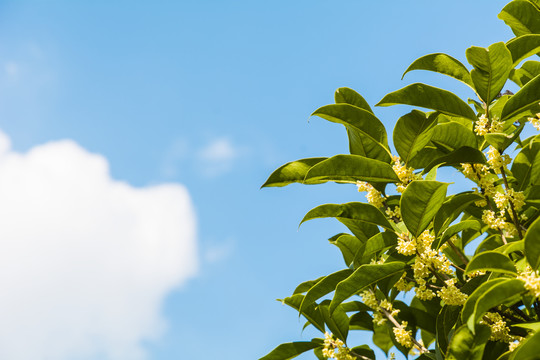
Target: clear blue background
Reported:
point(148, 84)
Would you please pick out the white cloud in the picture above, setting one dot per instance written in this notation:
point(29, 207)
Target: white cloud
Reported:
point(85, 261)
point(218, 157)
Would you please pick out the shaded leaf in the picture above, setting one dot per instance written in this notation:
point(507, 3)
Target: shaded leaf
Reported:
point(349, 246)
point(466, 345)
point(311, 313)
point(532, 244)
point(452, 135)
point(337, 321)
point(523, 46)
point(528, 350)
point(323, 287)
point(446, 319)
point(463, 155)
point(452, 208)
point(526, 166)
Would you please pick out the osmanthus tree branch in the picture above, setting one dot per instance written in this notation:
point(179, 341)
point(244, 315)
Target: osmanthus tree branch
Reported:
point(514, 214)
point(458, 252)
point(394, 322)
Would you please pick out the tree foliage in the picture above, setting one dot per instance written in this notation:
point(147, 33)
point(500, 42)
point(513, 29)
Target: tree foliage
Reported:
point(411, 236)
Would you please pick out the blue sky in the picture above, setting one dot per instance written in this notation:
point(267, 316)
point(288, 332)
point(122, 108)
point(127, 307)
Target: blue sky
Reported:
point(208, 97)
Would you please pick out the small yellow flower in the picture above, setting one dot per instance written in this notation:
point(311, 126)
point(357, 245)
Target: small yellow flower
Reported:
point(531, 280)
point(403, 336)
point(451, 295)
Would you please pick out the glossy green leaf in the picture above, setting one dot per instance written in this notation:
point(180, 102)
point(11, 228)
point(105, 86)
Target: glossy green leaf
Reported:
point(452, 208)
point(362, 277)
point(364, 351)
point(526, 166)
point(420, 202)
point(351, 168)
point(534, 327)
point(382, 337)
point(466, 345)
point(349, 246)
point(526, 73)
point(491, 69)
point(532, 244)
point(515, 246)
point(292, 172)
point(457, 228)
point(508, 290)
point(323, 287)
point(451, 136)
point(344, 95)
point(443, 64)
point(291, 350)
point(527, 97)
point(367, 135)
point(306, 285)
point(463, 155)
point(350, 213)
point(425, 157)
point(361, 321)
point(446, 319)
point(429, 97)
point(336, 320)
point(523, 46)
point(528, 350)
point(491, 261)
point(311, 313)
point(470, 304)
point(522, 17)
point(501, 141)
point(412, 132)
point(376, 243)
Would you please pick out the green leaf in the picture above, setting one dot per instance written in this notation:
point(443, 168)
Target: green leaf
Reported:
point(491, 261)
point(306, 285)
point(451, 136)
point(528, 350)
point(361, 321)
point(351, 215)
point(463, 155)
point(350, 169)
point(374, 244)
point(336, 320)
point(420, 202)
point(527, 97)
point(367, 135)
point(507, 291)
point(429, 97)
point(501, 141)
point(446, 319)
point(291, 350)
point(452, 208)
point(364, 351)
point(535, 327)
point(382, 337)
point(312, 314)
point(532, 244)
point(526, 166)
point(523, 46)
point(323, 287)
point(349, 246)
point(522, 17)
point(412, 133)
point(293, 172)
point(466, 345)
point(454, 229)
point(491, 69)
point(443, 64)
point(526, 73)
point(362, 277)
point(344, 95)
point(470, 304)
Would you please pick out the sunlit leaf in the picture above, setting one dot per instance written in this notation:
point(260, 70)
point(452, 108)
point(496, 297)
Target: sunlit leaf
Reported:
point(491, 261)
point(443, 64)
point(292, 172)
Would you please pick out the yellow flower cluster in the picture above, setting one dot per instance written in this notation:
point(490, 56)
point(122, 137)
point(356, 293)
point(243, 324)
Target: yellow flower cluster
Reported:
point(494, 222)
point(368, 298)
point(481, 175)
point(531, 280)
point(373, 196)
point(396, 213)
point(427, 260)
point(503, 199)
point(515, 343)
point(404, 174)
point(403, 285)
point(499, 330)
point(497, 161)
point(451, 295)
point(335, 349)
point(483, 126)
point(535, 121)
point(403, 336)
